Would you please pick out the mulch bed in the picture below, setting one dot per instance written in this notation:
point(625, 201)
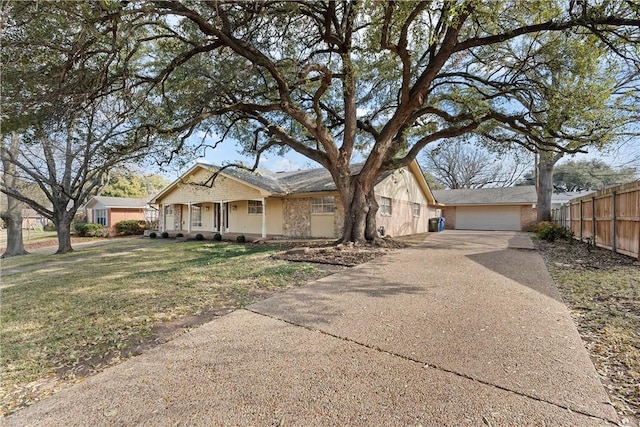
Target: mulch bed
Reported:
point(345, 255)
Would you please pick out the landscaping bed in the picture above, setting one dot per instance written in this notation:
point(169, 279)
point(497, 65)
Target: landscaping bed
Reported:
point(345, 255)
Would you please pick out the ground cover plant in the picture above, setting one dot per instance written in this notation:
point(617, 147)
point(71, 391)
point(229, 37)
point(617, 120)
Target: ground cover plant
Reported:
point(602, 291)
point(66, 317)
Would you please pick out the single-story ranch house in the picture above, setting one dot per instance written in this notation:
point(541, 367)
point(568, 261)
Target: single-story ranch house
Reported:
point(299, 204)
point(509, 208)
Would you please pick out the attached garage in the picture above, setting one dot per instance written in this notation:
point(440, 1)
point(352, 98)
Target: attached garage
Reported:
point(505, 209)
point(488, 218)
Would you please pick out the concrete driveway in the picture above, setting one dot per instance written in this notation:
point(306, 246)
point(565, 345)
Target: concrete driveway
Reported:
point(466, 329)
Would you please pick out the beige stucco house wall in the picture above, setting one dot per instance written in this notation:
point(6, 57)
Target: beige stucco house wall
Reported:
point(410, 206)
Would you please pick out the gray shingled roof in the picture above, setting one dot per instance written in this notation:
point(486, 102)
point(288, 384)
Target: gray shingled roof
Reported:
point(565, 197)
point(522, 195)
point(302, 181)
point(122, 202)
point(264, 180)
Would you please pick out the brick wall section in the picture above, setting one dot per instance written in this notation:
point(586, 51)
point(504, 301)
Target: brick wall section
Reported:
point(118, 214)
point(449, 214)
point(528, 217)
point(296, 217)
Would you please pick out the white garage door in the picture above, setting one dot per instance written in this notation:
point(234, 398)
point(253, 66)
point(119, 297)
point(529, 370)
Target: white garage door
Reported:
point(488, 218)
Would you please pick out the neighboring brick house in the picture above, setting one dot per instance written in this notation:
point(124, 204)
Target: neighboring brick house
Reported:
point(110, 210)
point(300, 204)
point(509, 208)
point(32, 220)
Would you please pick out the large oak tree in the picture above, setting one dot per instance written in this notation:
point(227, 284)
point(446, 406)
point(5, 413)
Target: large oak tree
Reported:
point(574, 92)
point(329, 79)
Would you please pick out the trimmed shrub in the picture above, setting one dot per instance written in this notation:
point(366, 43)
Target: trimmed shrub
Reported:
point(217, 237)
point(153, 235)
point(550, 231)
point(130, 227)
point(179, 235)
point(241, 238)
point(90, 230)
point(165, 235)
point(199, 236)
point(78, 228)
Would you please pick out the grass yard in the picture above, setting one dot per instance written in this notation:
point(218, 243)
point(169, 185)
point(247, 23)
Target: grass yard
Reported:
point(29, 236)
point(64, 317)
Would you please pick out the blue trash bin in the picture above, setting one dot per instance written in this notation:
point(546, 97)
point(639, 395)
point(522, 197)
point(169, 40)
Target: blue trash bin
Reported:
point(441, 224)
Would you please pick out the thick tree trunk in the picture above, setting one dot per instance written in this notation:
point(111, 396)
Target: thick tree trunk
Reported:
point(371, 231)
point(544, 185)
point(360, 208)
point(13, 220)
point(63, 228)
point(13, 215)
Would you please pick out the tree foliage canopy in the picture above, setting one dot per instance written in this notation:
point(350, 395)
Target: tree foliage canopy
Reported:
point(126, 184)
point(589, 175)
point(333, 79)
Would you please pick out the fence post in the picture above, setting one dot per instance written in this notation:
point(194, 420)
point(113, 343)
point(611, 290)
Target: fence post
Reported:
point(581, 219)
point(613, 222)
point(593, 220)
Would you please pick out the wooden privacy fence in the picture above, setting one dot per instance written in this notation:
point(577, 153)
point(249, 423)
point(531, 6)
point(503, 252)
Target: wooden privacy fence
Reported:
point(609, 218)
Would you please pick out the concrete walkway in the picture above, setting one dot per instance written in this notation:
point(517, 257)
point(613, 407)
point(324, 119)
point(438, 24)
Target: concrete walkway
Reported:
point(466, 329)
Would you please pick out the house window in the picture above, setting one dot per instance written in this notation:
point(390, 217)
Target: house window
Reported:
point(150, 215)
point(323, 205)
point(416, 209)
point(385, 206)
point(168, 210)
point(100, 217)
point(255, 207)
point(196, 215)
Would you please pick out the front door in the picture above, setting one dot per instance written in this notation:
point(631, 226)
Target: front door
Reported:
point(177, 217)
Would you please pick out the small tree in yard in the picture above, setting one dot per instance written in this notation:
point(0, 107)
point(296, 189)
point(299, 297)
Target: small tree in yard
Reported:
point(64, 122)
point(68, 161)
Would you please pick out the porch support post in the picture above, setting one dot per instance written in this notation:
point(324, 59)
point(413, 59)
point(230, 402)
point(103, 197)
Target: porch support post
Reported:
point(213, 216)
point(223, 219)
point(264, 218)
point(189, 218)
point(163, 219)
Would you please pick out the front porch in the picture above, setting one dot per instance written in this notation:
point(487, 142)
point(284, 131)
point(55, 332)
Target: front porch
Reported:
point(230, 218)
